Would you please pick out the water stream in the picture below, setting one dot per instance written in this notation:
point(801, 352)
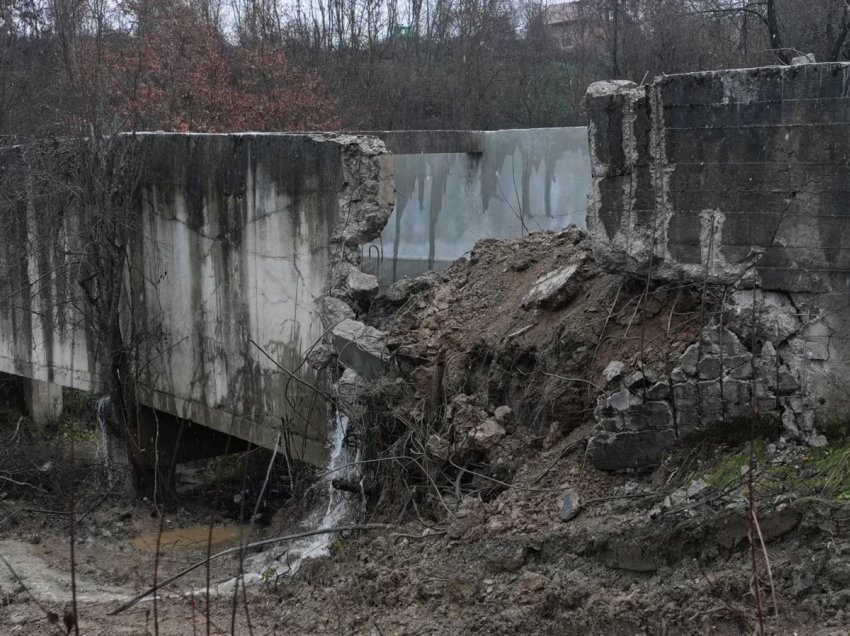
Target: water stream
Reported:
point(288, 558)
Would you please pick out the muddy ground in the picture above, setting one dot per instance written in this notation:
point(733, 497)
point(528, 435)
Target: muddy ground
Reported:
point(499, 523)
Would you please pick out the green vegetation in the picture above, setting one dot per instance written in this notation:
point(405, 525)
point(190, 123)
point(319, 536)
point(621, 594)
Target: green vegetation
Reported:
point(822, 474)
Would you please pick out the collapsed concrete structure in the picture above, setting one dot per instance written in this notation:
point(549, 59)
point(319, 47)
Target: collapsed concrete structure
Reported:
point(734, 181)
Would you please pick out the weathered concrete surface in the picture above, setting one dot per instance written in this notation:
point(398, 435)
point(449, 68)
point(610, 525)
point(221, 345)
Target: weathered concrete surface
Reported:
point(518, 181)
point(721, 175)
point(43, 401)
point(736, 179)
point(239, 237)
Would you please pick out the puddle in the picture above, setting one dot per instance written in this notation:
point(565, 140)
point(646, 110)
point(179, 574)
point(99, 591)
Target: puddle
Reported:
point(193, 537)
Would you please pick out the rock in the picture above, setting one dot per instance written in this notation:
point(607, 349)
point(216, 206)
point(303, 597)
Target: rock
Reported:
point(504, 415)
point(349, 387)
point(320, 357)
point(805, 58)
point(487, 435)
point(361, 286)
point(786, 383)
point(641, 449)
point(437, 447)
point(334, 311)
point(652, 416)
point(569, 506)
point(613, 371)
point(709, 368)
point(554, 289)
point(817, 441)
point(696, 488)
point(360, 347)
point(688, 360)
point(635, 381)
point(619, 401)
point(401, 290)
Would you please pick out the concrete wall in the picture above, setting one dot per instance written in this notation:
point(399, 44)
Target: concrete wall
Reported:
point(238, 236)
point(734, 182)
point(453, 189)
point(726, 173)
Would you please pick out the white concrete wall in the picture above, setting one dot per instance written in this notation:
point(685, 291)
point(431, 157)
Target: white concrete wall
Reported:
point(232, 248)
point(522, 181)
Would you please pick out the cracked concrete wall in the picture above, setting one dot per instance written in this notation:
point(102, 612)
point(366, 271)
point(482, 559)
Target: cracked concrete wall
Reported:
point(242, 236)
point(735, 179)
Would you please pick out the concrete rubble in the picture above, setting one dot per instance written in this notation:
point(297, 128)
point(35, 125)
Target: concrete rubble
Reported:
point(360, 347)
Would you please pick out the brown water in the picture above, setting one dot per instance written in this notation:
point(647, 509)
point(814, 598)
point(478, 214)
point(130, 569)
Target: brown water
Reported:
point(193, 537)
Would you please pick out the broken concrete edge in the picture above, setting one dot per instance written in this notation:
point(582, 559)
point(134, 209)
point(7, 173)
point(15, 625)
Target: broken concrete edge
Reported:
point(658, 149)
point(364, 205)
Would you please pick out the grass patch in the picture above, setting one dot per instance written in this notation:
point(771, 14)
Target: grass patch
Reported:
point(824, 473)
point(729, 470)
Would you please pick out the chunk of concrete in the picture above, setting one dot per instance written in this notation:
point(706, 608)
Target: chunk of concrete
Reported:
point(320, 356)
point(360, 347)
point(361, 286)
point(569, 505)
point(554, 289)
point(613, 371)
point(334, 311)
point(488, 434)
point(349, 387)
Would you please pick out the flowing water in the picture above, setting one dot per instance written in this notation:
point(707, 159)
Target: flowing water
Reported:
point(288, 558)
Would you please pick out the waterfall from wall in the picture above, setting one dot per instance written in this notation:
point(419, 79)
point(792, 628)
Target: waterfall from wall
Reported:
point(285, 560)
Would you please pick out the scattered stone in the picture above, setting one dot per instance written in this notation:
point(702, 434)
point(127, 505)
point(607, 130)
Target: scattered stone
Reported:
point(554, 289)
point(504, 415)
point(569, 506)
point(437, 447)
point(817, 441)
point(320, 356)
point(635, 381)
point(696, 488)
point(401, 290)
point(488, 434)
point(613, 371)
point(805, 58)
point(361, 286)
point(360, 347)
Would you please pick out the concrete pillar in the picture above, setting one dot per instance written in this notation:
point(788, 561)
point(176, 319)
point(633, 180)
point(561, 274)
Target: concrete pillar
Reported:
point(43, 400)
